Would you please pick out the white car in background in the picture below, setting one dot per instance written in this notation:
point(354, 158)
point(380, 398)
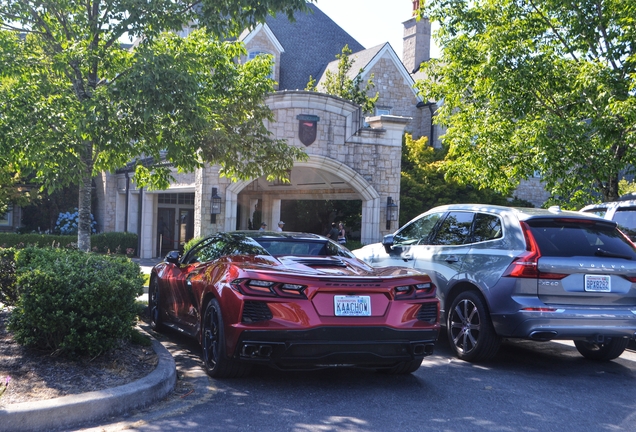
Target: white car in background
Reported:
point(623, 212)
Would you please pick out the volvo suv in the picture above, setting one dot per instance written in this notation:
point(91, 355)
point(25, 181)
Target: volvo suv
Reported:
point(539, 274)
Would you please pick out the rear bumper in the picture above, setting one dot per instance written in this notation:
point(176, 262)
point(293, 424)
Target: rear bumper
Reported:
point(373, 347)
point(566, 323)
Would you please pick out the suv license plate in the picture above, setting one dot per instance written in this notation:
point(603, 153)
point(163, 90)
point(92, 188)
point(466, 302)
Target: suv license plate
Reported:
point(352, 305)
point(598, 283)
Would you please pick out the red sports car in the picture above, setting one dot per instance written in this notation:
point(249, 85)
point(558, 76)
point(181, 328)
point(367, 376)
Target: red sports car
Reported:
point(293, 301)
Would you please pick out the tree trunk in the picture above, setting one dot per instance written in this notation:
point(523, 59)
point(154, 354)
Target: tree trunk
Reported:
point(610, 192)
point(84, 209)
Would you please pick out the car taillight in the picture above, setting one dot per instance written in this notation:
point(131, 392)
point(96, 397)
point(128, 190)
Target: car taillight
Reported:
point(526, 265)
point(257, 287)
point(413, 291)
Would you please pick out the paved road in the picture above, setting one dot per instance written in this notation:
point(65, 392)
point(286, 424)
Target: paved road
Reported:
point(530, 386)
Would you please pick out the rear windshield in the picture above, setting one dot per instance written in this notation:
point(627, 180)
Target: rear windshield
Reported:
point(278, 247)
point(568, 238)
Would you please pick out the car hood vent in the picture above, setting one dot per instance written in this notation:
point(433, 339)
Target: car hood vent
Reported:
point(320, 262)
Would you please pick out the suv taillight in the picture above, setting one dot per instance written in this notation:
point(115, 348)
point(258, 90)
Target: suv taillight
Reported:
point(526, 265)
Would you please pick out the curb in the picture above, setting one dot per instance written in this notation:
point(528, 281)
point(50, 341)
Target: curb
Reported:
point(73, 410)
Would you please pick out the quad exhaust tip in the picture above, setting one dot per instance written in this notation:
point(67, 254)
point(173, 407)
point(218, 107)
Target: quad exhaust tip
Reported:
point(423, 349)
point(256, 351)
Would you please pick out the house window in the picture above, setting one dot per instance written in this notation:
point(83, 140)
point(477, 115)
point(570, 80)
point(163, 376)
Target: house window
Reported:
point(176, 198)
point(5, 219)
point(382, 111)
point(253, 54)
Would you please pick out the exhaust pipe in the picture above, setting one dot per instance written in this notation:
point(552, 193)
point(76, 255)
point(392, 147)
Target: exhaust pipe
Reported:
point(543, 335)
point(423, 349)
point(256, 351)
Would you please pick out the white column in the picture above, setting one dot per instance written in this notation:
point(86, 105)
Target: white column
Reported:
point(148, 233)
point(275, 213)
point(370, 227)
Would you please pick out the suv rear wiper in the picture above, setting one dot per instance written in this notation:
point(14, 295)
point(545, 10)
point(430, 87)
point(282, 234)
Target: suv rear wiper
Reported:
point(602, 252)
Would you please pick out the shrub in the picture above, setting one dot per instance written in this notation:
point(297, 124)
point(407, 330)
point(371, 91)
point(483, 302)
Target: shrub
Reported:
point(110, 242)
point(8, 240)
point(8, 290)
point(74, 303)
point(115, 242)
point(67, 223)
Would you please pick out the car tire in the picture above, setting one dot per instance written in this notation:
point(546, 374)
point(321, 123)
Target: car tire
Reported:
point(154, 305)
point(606, 351)
point(470, 331)
point(217, 363)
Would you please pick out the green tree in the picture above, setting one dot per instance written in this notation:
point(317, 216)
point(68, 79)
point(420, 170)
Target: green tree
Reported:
point(423, 184)
point(73, 103)
point(537, 85)
point(345, 84)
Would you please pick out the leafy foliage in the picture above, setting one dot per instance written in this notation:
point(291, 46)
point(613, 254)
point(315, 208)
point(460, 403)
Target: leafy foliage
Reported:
point(345, 84)
point(75, 103)
point(424, 184)
point(8, 289)
point(73, 303)
point(536, 86)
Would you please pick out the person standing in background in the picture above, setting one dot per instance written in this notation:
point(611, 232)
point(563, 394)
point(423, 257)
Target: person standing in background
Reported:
point(333, 232)
point(279, 228)
point(342, 234)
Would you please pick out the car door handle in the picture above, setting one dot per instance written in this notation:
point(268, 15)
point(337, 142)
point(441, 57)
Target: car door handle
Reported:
point(451, 259)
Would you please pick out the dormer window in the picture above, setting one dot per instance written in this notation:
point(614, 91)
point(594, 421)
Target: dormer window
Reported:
point(253, 54)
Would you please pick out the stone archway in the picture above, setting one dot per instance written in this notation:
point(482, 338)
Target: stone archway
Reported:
point(371, 200)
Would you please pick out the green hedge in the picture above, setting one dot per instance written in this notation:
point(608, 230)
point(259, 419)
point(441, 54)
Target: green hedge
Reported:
point(8, 290)
point(115, 242)
point(110, 242)
point(74, 303)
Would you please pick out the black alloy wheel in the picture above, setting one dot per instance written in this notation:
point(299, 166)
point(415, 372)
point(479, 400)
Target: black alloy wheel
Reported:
point(470, 331)
point(154, 305)
point(215, 360)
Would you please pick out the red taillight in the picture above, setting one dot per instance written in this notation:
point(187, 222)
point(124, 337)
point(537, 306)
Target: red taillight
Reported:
point(526, 264)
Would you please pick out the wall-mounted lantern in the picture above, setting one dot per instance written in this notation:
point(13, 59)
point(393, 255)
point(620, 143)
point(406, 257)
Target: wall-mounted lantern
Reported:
point(391, 212)
point(215, 207)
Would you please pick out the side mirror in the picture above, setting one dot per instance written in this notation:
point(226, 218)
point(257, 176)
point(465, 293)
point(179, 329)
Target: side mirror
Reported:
point(172, 257)
point(387, 242)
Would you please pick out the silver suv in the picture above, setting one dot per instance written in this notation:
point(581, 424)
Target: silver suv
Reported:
point(535, 274)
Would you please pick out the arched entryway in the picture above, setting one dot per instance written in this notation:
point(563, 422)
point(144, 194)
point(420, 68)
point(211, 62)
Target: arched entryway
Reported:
point(318, 178)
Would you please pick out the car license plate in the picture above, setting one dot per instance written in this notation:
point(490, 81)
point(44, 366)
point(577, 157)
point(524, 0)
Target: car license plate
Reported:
point(352, 305)
point(597, 283)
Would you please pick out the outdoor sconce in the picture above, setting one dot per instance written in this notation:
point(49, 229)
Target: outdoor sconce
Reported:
point(215, 208)
point(391, 212)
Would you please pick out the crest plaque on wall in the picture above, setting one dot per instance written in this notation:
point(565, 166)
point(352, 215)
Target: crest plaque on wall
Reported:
point(307, 128)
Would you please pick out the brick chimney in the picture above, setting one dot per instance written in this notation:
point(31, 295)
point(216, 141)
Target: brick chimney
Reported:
point(416, 46)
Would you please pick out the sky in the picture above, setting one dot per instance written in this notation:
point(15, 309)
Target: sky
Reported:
point(372, 22)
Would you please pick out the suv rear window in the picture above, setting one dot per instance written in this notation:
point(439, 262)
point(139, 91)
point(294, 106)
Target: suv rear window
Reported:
point(568, 238)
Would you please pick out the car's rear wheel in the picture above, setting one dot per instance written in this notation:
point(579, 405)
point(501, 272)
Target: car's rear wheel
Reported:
point(608, 350)
point(154, 305)
point(216, 362)
point(470, 331)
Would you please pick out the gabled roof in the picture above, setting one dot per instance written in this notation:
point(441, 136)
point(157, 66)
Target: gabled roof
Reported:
point(247, 36)
point(310, 43)
point(366, 59)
